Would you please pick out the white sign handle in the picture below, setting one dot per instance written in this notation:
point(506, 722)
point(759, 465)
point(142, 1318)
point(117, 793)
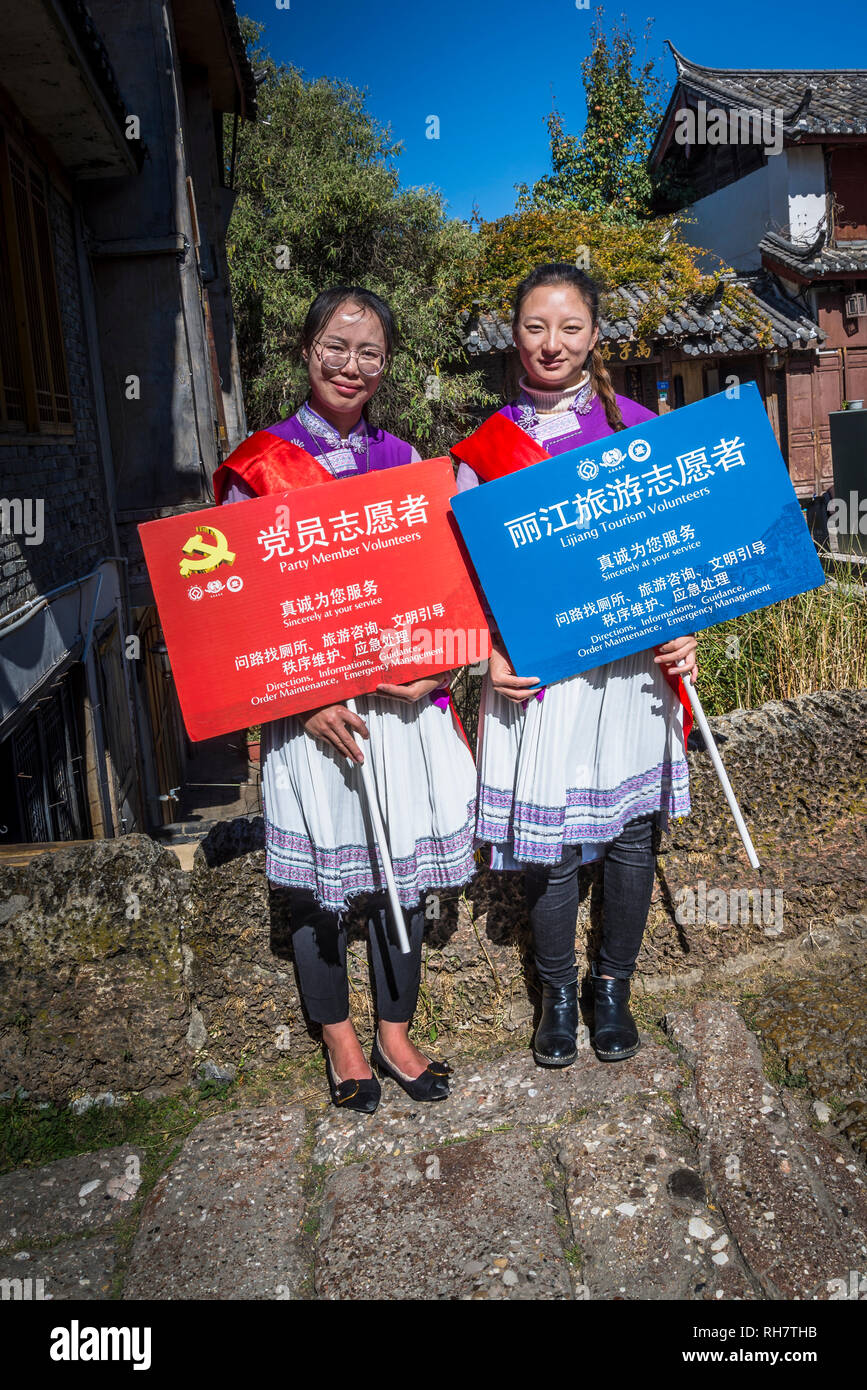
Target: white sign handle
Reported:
point(369, 784)
point(701, 720)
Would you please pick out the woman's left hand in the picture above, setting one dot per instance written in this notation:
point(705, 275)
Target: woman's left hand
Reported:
point(679, 654)
point(413, 690)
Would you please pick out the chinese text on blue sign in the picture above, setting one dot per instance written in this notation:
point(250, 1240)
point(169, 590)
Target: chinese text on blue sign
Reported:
point(662, 529)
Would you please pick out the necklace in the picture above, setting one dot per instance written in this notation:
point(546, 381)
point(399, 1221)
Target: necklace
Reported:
point(341, 451)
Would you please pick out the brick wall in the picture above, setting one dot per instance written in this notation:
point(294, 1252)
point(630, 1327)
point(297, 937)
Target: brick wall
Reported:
point(64, 471)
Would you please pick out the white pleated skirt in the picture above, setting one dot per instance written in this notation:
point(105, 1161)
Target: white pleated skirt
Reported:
point(596, 751)
point(319, 834)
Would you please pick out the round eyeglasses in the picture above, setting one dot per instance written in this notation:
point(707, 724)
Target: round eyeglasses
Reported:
point(369, 361)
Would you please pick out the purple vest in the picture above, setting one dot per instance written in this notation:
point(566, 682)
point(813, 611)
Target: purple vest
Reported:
point(303, 428)
point(584, 429)
point(593, 425)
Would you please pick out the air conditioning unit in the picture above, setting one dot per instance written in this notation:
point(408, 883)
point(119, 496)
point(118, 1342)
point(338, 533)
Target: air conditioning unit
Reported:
point(856, 306)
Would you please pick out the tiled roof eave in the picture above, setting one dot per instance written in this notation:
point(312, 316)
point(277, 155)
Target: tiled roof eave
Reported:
point(695, 328)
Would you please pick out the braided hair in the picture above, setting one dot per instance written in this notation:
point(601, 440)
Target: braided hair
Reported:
point(562, 273)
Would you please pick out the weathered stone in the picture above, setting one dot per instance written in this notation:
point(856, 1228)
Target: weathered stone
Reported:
point(78, 1269)
point(209, 1071)
point(796, 1213)
point(224, 1222)
point(91, 971)
point(241, 974)
point(637, 1240)
point(418, 1227)
point(119, 971)
point(511, 1090)
point(819, 1027)
point(799, 770)
point(67, 1197)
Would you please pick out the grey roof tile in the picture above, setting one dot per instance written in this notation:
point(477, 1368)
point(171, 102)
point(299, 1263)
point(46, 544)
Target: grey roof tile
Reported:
point(816, 258)
point(697, 328)
point(836, 104)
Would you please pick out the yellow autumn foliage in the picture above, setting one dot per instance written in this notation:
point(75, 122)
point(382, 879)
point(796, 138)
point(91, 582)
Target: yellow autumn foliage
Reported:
point(651, 256)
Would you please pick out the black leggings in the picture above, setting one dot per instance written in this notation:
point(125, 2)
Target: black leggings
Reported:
point(552, 898)
point(319, 944)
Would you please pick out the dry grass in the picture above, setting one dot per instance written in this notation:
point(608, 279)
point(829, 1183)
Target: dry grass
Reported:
point(815, 641)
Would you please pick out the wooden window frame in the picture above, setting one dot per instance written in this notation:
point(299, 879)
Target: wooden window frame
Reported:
point(37, 326)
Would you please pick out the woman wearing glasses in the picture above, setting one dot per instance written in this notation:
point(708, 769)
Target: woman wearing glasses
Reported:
point(318, 841)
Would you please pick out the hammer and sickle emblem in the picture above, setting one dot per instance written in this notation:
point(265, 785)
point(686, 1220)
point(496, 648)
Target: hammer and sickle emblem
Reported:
point(210, 555)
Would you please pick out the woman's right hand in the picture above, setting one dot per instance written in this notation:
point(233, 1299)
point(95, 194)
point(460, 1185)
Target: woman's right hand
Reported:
point(333, 724)
point(503, 678)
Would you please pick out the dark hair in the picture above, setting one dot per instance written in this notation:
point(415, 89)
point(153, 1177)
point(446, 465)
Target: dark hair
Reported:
point(327, 301)
point(562, 273)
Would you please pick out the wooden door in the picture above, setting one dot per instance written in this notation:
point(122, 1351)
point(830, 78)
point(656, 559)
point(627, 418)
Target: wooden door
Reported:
point(856, 374)
point(164, 719)
point(814, 389)
point(802, 438)
point(827, 396)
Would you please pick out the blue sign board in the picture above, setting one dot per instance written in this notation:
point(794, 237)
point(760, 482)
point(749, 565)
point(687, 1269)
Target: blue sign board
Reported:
point(662, 529)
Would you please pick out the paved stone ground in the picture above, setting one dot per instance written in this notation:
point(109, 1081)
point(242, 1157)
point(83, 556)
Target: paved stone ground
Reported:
point(681, 1174)
point(225, 1220)
point(78, 1202)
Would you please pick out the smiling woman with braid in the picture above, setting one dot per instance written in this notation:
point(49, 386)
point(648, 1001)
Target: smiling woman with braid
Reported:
point(583, 768)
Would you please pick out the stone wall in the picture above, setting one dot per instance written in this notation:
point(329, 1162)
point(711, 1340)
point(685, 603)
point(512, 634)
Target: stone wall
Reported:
point(118, 971)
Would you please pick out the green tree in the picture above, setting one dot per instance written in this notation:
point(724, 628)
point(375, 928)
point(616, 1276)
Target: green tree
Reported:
point(604, 171)
point(319, 203)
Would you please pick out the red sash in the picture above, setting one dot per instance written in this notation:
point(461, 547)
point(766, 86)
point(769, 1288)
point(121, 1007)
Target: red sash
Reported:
point(270, 464)
point(499, 447)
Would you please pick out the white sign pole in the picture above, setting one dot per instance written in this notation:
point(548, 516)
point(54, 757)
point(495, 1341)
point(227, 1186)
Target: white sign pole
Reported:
point(369, 783)
point(701, 720)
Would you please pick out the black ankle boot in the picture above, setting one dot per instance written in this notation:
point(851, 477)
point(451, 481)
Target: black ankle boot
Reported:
point(615, 1035)
point(555, 1042)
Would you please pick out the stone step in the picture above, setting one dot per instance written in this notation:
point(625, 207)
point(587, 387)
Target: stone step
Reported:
point(510, 1090)
point(464, 1221)
point(70, 1197)
point(224, 1221)
point(795, 1207)
point(77, 1269)
point(58, 1224)
point(639, 1210)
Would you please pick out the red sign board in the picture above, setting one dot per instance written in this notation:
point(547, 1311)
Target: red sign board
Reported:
point(300, 599)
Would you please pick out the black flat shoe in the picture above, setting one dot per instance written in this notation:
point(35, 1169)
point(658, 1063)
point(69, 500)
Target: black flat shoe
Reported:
point(615, 1035)
point(363, 1095)
point(431, 1085)
point(555, 1043)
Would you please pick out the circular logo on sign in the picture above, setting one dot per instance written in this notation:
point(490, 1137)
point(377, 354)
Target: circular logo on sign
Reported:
point(587, 470)
point(194, 592)
point(234, 582)
point(612, 457)
point(639, 450)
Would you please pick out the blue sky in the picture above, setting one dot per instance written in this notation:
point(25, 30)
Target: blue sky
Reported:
point(487, 70)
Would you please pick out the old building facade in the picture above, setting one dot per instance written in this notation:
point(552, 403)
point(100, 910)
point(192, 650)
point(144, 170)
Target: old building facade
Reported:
point(777, 161)
point(119, 385)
